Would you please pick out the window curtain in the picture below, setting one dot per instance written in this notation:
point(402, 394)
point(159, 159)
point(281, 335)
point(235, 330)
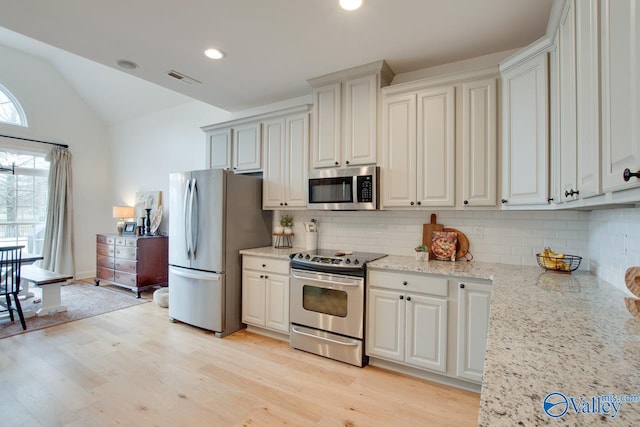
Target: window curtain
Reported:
point(57, 251)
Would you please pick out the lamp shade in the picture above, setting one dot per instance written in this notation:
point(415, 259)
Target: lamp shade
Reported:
point(123, 212)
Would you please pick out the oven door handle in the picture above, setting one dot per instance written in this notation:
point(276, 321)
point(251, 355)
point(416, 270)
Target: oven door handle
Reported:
point(355, 285)
point(351, 343)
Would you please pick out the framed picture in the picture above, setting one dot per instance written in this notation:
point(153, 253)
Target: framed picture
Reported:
point(129, 228)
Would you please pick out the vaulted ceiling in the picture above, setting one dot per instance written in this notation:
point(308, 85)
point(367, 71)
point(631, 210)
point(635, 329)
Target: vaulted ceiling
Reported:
point(272, 46)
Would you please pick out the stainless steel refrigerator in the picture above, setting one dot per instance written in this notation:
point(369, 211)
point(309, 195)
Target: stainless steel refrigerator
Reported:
point(212, 215)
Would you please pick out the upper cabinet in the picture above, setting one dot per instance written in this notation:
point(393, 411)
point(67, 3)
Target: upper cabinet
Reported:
point(345, 116)
point(620, 67)
point(525, 129)
point(439, 143)
point(219, 148)
point(235, 145)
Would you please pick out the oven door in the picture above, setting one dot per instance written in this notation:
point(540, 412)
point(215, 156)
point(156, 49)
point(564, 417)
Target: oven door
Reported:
point(329, 302)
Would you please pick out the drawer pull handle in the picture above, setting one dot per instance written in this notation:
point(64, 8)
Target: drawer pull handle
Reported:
point(461, 285)
point(404, 283)
point(627, 174)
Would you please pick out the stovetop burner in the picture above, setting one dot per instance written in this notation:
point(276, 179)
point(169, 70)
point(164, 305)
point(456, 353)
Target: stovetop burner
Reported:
point(334, 261)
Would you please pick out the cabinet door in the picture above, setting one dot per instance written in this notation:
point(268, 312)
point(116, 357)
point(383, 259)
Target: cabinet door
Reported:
point(277, 303)
point(326, 140)
point(399, 148)
point(247, 148)
point(297, 160)
point(588, 99)
point(426, 330)
point(386, 324)
point(219, 149)
point(620, 62)
point(473, 322)
point(253, 298)
point(479, 143)
point(525, 155)
point(567, 102)
point(360, 119)
point(273, 179)
point(435, 143)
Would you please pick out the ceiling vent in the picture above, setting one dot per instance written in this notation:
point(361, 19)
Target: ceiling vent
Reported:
point(183, 78)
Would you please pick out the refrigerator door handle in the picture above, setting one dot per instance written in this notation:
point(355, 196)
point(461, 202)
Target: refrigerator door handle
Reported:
point(194, 223)
point(185, 215)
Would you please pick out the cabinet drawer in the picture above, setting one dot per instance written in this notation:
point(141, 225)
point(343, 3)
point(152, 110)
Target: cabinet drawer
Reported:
point(126, 252)
point(105, 261)
point(125, 265)
point(412, 282)
point(109, 240)
point(121, 241)
point(132, 242)
point(104, 273)
point(125, 278)
point(104, 249)
point(265, 264)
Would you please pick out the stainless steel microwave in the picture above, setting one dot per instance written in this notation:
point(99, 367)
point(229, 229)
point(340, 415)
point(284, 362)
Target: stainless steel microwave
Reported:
point(344, 189)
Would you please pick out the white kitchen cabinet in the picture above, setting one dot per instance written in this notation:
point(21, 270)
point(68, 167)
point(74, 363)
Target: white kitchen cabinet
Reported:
point(479, 142)
point(404, 322)
point(620, 68)
point(345, 116)
point(265, 293)
point(419, 148)
point(286, 142)
point(525, 130)
point(219, 149)
point(473, 322)
point(247, 147)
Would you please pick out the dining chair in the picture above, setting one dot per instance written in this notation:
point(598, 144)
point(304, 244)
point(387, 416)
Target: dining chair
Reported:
point(10, 265)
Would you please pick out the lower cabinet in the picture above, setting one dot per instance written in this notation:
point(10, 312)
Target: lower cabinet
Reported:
point(265, 293)
point(421, 321)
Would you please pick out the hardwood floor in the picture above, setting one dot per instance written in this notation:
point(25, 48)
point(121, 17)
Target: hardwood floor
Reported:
point(133, 367)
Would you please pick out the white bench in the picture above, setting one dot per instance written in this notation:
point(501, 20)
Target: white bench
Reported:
point(49, 282)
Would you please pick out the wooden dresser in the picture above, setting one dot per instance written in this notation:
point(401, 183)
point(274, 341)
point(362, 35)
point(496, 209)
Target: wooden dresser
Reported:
point(133, 262)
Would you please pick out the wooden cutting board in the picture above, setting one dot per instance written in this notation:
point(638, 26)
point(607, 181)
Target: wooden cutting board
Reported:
point(463, 242)
point(632, 280)
point(427, 230)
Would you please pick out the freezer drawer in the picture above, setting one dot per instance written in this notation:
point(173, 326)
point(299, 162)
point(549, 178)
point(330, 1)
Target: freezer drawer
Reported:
point(197, 298)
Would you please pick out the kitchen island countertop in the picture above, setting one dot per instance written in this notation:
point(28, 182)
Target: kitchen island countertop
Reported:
point(549, 332)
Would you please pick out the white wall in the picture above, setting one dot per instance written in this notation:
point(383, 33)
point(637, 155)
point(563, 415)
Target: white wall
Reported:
point(503, 237)
point(614, 243)
point(56, 113)
point(147, 149)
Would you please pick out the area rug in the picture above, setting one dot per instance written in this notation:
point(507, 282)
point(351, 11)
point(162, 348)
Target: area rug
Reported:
point(82, 300)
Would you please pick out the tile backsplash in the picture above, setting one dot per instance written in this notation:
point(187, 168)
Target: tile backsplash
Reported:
point(503, 237)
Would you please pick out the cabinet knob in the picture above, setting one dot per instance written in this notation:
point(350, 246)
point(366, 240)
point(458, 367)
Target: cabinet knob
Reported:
point(571, 193)
point(461, 285)
point(281, 204)
point(234, 168)
point(264, 265)
point(266, 277)
point(412, 203)
point(401, 296)
point(347, 162)
point(262, 276)
point(337, 164)
point(419, 203)
point(550, 199)
point(504, 201)
point(408, 298)
point(466, 202)
point(404, 283)
point(286, 204)
point(627, 174)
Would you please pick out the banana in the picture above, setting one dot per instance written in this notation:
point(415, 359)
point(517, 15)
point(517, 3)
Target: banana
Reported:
point(553, 254)
point(553, 261)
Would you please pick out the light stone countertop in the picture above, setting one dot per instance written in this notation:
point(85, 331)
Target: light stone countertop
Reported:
point(271, 252)
point(549, 332)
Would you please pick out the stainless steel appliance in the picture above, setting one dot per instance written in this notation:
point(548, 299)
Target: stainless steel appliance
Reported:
point(213, 214)
point(351, 188)
point(327, 301)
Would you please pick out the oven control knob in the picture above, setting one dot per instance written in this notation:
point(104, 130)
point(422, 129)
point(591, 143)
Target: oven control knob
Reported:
point(300, 256)
point(356, 262)
point(307, 256)
point(347, 261)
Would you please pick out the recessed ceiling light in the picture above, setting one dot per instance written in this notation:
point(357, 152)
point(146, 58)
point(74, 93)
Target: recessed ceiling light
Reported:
point(350, 4)
point(126, 64)
point(213, 53)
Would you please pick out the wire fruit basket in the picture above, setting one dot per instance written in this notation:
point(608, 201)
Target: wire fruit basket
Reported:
point(566, 264)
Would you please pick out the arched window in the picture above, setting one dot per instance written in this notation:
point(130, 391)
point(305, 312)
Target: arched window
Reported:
point(11, 111)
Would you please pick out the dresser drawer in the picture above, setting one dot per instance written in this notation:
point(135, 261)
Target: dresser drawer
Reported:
point(109, 240)
point(121, 241)
point(126, 252)
point(125, 278)
point(104, 249)
point(410, 282)
point(132, 242)
point(105, 273)
point(105, 261)
point(125, 265)
point(271, 265)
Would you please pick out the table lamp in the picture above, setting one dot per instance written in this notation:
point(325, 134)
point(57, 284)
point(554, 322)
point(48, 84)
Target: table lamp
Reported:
point(122, 213)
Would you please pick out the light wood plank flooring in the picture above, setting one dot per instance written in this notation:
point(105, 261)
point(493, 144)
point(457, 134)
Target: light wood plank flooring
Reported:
point(133, 367)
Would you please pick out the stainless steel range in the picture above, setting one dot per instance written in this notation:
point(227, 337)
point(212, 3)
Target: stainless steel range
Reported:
point(327, 300)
